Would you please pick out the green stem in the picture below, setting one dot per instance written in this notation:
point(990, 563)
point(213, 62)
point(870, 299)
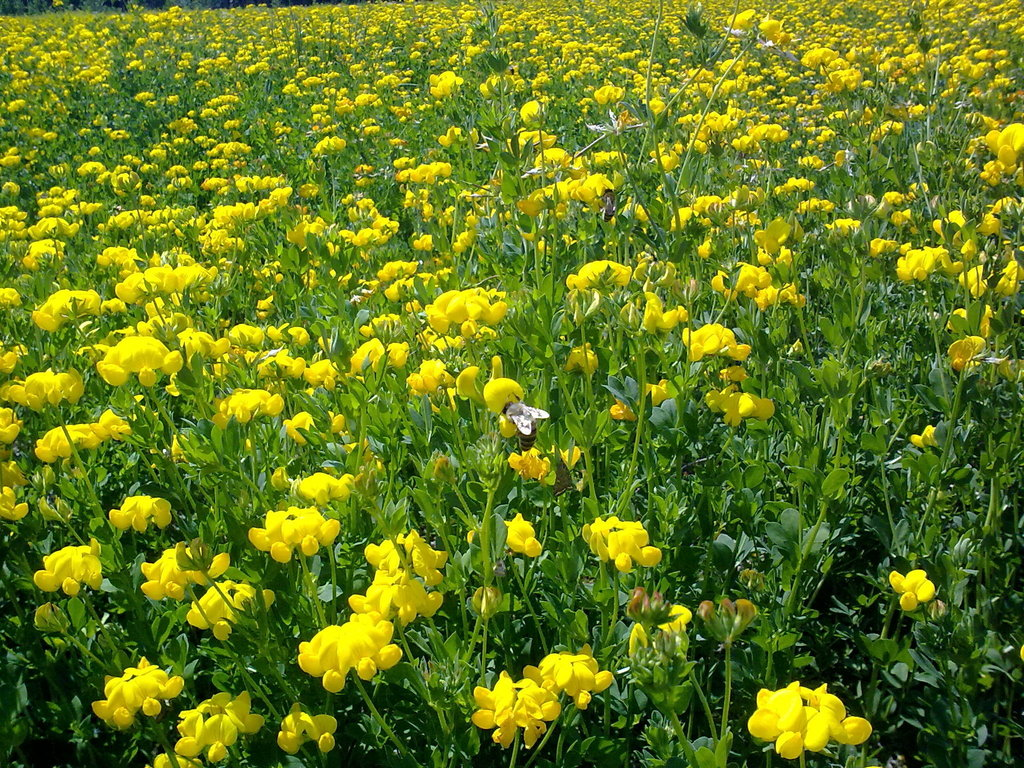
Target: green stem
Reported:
point(380, 720)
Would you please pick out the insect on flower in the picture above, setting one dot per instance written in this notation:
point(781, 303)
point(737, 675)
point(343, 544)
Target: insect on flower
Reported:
point(525, 418)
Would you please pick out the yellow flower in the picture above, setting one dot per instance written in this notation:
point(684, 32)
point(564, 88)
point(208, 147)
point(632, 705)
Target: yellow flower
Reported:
point(656, 319)
point(577, 674)
point(244, 404)
point(363, 643)
point(219, 608)
point(10, 426)
point(609, 94)
point(396, 594)
point(798, 719)
point(466, 310)
point(623, 542)
point(302, 420)
point(530, 465)
point(500, 392)
point(372, 353)
point(582, 359)
point(65, 305)
point(531, 112)
point(299, 727)
point(926, 439)
point(141, 355)
point(660, 392)
point(142, 687)
point(430, 378)
point(70, 567)
point(714, 339)
point(962, 352)
point(521, 537)
point(136, 512)
point(598, 275)
point(510, 706)
point(621, 412)
point(45, 388)
point(914, 588)
point(445, 84)
point(294, 528)
point(10, 509)
point(679, 617)
point(215, 724)
point(167, 578)
point(426, 561)
point(736, 406)
point(55, 445)
point(321, 488)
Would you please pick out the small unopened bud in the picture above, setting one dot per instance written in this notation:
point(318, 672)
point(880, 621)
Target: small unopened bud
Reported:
point(194, 556)
point(936, 609)
point(729, 620)
point(639, 603)
point(441, 469)
point(752, 579)
point(631, 316)
point(486, 601)
point(366, 483)
point(279, 479)
point(50, 618)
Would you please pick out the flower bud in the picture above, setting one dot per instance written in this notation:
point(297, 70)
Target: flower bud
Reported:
point(752, 579)
point(631, 316)
point(729, 620)
point(279, 479)
point(50, 618)
point(936, 609)
point(194, 556)
point(486, 601)
point(441, 469)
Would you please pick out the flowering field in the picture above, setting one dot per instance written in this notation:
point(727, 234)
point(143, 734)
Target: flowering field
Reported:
point(555, 383)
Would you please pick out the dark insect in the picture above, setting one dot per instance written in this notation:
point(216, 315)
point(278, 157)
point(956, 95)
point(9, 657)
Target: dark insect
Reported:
point(609, 204)
point(563, 479)
point(525, 418)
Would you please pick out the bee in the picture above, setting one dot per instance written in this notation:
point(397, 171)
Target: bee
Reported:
point(525, 417)
point(609, 204)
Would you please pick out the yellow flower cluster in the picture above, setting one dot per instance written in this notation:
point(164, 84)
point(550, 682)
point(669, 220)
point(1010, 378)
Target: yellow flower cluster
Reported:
point(140, 688)
point(215, 724)
point(798, 718)
point(222, 604)
point(321, 488)
point(511, 706)
point(244, 404)
point(395, 591)
point(467, 310)
point(521, 537)
point(167, 578)
point(136, 512)
point(530, 465)
point(735, 405)
point(363, 643)
point(298, 727)
point(70, 567)
point(143, 356)
point(714, 339)
point(624, 542)
point(54, 444)
point(914, 589)
point(285, 530)
point(44, 388)
point(577, 674)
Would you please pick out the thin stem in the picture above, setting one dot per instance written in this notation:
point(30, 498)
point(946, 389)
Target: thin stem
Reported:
point(380, 720)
